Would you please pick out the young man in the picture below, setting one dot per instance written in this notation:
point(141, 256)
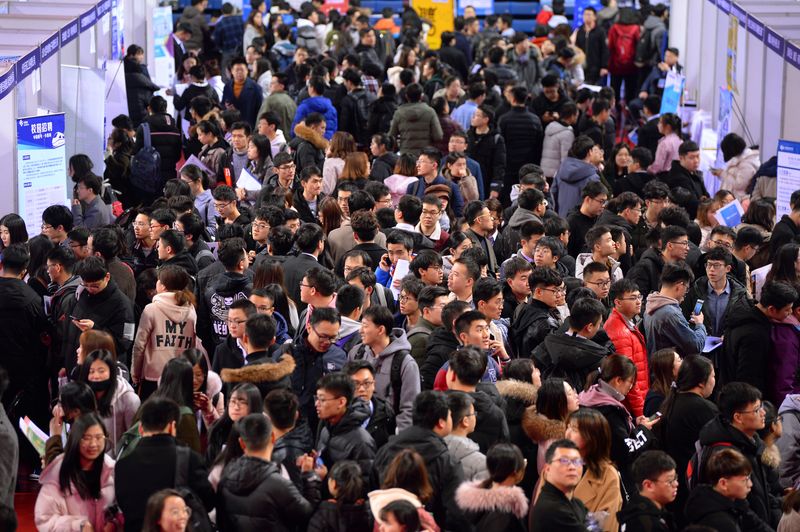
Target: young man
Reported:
point(748, 329)
point(488, 148)
point(516, 290)
point(664, 324)
point(269, 125)
point(407, 214)
point(431, 423)
point(349, 305)
point(387, 348)
point(594, 197)
point(429, 222)
point(656, 198)
point(226, 205)
point(523, 133)
point(575, 173)
point(242, 92)
point(374, 294)
point(280, 103)
point(674, 248)
point(232, 353)
point(61, 265)
point(95, 214)
point(637, 176)
point(310, 241)
point(57, 221)
point(381, 423)
point(466, 369)
point(315, 353)
point(399, 245)
point(308, 197)
point(429, 175)
point(143, 249)
point(573, 356)
point(354, 108)
point(172, 251)
point(548, 253)
point(531, 207)
point(104, 243)
point(427, 266)
point(442, 342)
point(596, 278)
point(463, 449)
point(685, 173)
point(463, 276)
point(628, 340)
point(656, 485)
point(602, 248)
point(487, 296)
point(749, 242)
point(267, 495)
point(341, 435)
point(479, 219)
point(557, 508)
point(309, 144)
point(430, 301)
point(741, 416)
point(462, 115)
point(415, 135)
point(259, 367)
point(342, 239)
point(317, 290)
point(317, 103)
point(292, 438)
point(409, 314)
point(240, 135)
point(472, 329)
point(540, 317)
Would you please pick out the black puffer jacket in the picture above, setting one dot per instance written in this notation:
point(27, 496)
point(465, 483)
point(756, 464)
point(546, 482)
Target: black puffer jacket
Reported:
point(441, 343)
point(252, 495)
point(347, 440)
point(185, 260)
point(534, 323)
point(490, 422)
point(382, 423)
point(444, 473)
point(647, 272)
point(334, 517)
point(290, 447)
point(641, 515)
point(709, 508)
point(166, 139)
point(747, 337)
point(699, 290)
point(523, 133)
point(139, 88)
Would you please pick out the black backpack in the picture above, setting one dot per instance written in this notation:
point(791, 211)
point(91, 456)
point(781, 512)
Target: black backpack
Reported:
point(395, 378)
point(695, 469)
point(146, 165)
point(198, 521)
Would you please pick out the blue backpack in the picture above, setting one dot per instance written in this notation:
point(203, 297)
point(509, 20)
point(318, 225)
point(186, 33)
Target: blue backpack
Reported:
point(146, 165)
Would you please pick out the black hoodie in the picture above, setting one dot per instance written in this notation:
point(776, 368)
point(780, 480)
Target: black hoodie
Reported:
point(490, 422)
point(213, 305)
point(185, 260)
point(571, 358)
point(252, 495)
point(640, 514)
point(441, 343)
point(710, 508)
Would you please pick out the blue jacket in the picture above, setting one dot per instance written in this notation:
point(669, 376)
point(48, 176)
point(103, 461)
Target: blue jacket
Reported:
point(572, 176)
point(455, 193)
point(665, 326)
point(321, 105)
point(249, 101)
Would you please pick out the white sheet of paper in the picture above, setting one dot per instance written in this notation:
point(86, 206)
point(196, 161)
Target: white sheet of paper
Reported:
point(400, 271)
point(712, 342)
point(248, 181)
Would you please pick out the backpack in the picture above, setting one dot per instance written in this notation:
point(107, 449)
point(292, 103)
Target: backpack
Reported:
point(626, 47)
point(146, 165)
point(695, 473)
point(198, 520)
point(131, 437)
point(307, 37)
point(395, 378)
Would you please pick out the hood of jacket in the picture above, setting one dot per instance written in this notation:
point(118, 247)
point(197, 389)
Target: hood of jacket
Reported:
point(299, 438)
point(522, 391)
point(378, 499)
point(608, 217)
point(472, 497)
point(348, 327)
point(398, 342)
point(563, 352)
point(356, 414)
point(243, 476)
point(555, 128)
point(266, 372)
point(718, 430)
point(165, 302)
point(638, 506)
point(461, 447)
point(574, 170)
point(655, 301)
point(601, 394)
point(230, 283)
point(704, 501)
point(306, 133)
point(790, 402)
point(443, 339)
point(521, 216)
point(652, 22)
point(539, 428)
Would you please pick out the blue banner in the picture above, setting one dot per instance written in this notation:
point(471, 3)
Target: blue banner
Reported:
point(27, 64)
point(788, 175)
point(723, 121)
point(775, 42)
point(88, 19)
point(755, 27)
point(7, 82)
point(48, 48)
point(41, 167)
point(69, 32)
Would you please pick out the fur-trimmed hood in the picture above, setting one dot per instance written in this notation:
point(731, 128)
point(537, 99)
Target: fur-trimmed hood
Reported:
point(470, 496)
point(771, 456)
point(539, 428)
point(306, 133)
point(520, 390)
point(266, 372)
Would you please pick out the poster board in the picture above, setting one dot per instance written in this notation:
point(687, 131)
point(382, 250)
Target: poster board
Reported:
point(164, 60)
point(41, 166)
point(440, 14)
point(788, 175)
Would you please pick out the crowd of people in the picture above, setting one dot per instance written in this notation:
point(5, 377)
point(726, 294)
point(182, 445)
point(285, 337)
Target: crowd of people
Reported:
point(467, 292)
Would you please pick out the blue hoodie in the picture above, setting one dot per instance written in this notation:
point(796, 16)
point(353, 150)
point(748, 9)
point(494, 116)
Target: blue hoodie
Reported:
point(572, 176)
point(321, 105)
point(665, 326)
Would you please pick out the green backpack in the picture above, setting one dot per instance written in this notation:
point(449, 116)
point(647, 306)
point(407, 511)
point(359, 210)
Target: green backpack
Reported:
point(131, 437)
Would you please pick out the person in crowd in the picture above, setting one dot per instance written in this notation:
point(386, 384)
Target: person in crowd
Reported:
point(523, 134)
point(244, 399)
point(429, 224)
point(95, 213)
point(461, 447)
point(415, 124)
point(540, 317)
point(557, 507)
point(319, 104)
point(203, 199)
point(674, 248)
point(594, 197)
point(741, 164)
point(78, 486)
point(430, 301)
point(12, 230)
point(381, 422)
point(242, 92)
point(669, 127)
point(293, 438)
point(786, 230)
point(684, 173)
point(559, 136)
point(576, 171)
point(151, 466)
point(177, 384)
point(165, 138)
point(488, 148)
point(655, 475)
point(166, 511)
point(664, 367)
point(602, 248)
point(347, 509)
point(516, 290)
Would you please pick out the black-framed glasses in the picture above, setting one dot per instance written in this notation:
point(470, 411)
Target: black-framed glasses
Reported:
point(637, 297)
point(601, 284)
point(680, 242)
point(756, 410)
point(323, 337)
point(556, 290)
point(722, 244)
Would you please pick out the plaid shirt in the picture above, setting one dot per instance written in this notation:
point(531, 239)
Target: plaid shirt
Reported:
point(229, 33)
point(370, 84)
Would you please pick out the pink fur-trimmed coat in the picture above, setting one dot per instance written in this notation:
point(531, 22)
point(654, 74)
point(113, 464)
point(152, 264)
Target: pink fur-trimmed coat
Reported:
point(491, 509)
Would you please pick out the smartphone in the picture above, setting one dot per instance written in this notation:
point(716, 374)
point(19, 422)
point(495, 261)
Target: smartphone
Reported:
point(387, 261)
point(76, 318)
point(698, 307)
point(318, 462)
point(654, 416)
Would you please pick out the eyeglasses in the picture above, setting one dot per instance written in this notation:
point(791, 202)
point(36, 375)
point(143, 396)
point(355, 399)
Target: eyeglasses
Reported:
point(178, 512)
point(75, 245)
point(556, 290)
point(319, 399)
point(577, 462)
point(756, 410)
point(260, 226)
point(637, 297)
point(220, 206)
point(306, 285)
point(601, 284)
point(743, 478)
point(323, 337)
point(238, 401)
point(722, 244)
point(95, 285)
point(289, 166)
point(680, 243)
point(140, 224)
point(671, 480)
point(437, 268)
point(406, 297)
point(363, 384)
point(601, 201)
point(715, 265)
point(236, 322)
point(430, 213)
point(46, 227)
point(88, 438)
point(263, 308)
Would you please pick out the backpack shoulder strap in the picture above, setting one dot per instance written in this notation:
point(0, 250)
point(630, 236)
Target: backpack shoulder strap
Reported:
point(416, 188)
point(381, 294)
point(417, 330)
point(181, 466)
point(396, 379)
point(146, 130)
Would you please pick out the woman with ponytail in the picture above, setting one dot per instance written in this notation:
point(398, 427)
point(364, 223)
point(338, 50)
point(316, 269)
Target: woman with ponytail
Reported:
point(684, 412)
point(166, 329)
point(347, 511)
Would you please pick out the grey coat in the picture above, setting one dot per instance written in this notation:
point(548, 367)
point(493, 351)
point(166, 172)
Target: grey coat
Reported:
point(468, 453)
point(558, 139)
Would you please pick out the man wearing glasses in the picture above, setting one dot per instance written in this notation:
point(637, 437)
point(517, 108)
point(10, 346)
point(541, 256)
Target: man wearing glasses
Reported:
point(429, 224)
point(674, 248)
point(657, 485)
point(284, 176)
point(540, 317)
point(557, 508)
point(143, 250)
point(596, 278)
point(479, 218)
point(594, 197)
point(664, 323)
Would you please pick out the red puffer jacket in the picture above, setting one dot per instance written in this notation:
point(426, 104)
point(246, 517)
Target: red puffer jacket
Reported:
point(630, 342)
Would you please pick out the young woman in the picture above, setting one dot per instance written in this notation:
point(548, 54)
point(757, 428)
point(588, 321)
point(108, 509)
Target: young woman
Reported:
point(347, 511)
point(407, 60)
point(760, 215)
point(118, 166)
point(455, 169)
point(384, 159)
point(166, 328)
point(213, 152)
point(684, 412)
point(245, 399)
point(497, 503)
point(39, 246)
point(78, 486)
point(448, 125)
point(599, 488)
point(330, 215)
point(555, 401)
point(209, 401)
point(117, 402)
point(166, 511)
point(617, 164)
point(253, 27)
point(92, 340)
point(259, 156)
point(741, 164)
point(177, 383)
point(786, 266)
point(406, 479)
point(606, 394)
point(12, 230)
point(405, 173)
point(459, 242)
point(341, 144)
point(771, 457)
point(356, 168)
point(669, 125)
point(452, 91)
point(664, 367)
point(706, 220)
point(269, 275)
